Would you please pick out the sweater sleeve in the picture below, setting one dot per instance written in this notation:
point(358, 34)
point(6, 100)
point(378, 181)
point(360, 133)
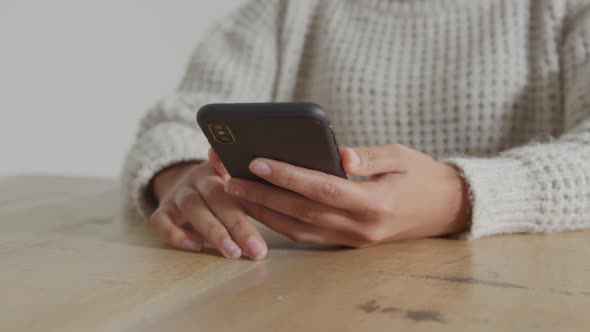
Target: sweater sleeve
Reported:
point(540, 187)
point(237, 61)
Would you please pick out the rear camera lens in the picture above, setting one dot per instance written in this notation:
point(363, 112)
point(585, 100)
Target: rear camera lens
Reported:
point(221, 133)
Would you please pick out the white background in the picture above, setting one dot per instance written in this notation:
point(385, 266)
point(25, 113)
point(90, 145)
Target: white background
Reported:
point(76, 76)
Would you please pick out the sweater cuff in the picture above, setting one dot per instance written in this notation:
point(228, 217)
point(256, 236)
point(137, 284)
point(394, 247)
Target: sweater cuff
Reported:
point(162, 146)
point(501, 196)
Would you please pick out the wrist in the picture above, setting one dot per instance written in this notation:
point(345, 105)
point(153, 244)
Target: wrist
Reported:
point(461, 215)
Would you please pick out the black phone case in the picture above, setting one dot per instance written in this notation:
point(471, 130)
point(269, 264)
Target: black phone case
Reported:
point(297, 133)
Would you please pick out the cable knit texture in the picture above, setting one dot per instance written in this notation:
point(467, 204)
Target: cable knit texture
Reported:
point(499, 88)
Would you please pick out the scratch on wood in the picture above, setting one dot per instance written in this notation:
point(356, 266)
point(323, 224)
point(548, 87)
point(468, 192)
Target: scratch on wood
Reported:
point(472, 281)
point(372, 307)
point(488, 283)
point(424, 316)
point(568, 292)
point(369, 307)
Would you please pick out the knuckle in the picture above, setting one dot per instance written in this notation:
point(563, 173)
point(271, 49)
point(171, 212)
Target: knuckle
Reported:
point(156, 221)
point(208, 185)
point(239, 227)
point(370, 236)
point(370, 159)
point(376, 209)
point(187, 200)
point(289, 177)
point(395, 147)
point(156, 217)
point(371, 210)
point(305, 213)
point(325, 189)
point(301, 237)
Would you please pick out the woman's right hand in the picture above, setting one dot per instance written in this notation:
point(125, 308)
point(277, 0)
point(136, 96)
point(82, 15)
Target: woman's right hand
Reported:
point(194, 207)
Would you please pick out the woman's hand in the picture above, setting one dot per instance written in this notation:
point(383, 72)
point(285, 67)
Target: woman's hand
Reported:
point(409, 195)
point(193, 208)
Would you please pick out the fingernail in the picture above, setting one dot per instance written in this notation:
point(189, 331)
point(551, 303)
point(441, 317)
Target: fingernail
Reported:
point(192, 245)
point(231, 248)
point(256, 247)
point(355, 159)
point(260, 168)
point(234, 189)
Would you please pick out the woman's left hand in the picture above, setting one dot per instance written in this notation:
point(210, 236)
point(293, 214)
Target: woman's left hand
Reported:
point(409, 195)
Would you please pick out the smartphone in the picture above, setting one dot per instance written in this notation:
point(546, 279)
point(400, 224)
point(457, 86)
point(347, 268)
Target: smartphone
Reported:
point(296, 133)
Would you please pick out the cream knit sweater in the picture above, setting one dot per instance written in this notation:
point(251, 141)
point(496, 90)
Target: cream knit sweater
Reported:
point(499, 88)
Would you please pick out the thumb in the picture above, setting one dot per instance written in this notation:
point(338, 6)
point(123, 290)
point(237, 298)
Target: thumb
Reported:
point(363, 161)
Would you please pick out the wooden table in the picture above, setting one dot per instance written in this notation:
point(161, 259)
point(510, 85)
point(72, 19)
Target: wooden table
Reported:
point(72, 259)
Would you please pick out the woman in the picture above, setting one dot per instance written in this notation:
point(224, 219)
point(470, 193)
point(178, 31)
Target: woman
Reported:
point(474, 117)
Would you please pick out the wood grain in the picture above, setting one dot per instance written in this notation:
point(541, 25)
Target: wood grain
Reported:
point(73, 259)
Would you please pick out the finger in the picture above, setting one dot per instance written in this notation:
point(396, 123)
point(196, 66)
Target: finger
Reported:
point(317, 186)
point(290, 227)
point(236, 222)
point(213, 156)
point(218, 164)
point(175, 235)
point(197, 212)
point(290, 204)
point(364, 161)
point(176, 216)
